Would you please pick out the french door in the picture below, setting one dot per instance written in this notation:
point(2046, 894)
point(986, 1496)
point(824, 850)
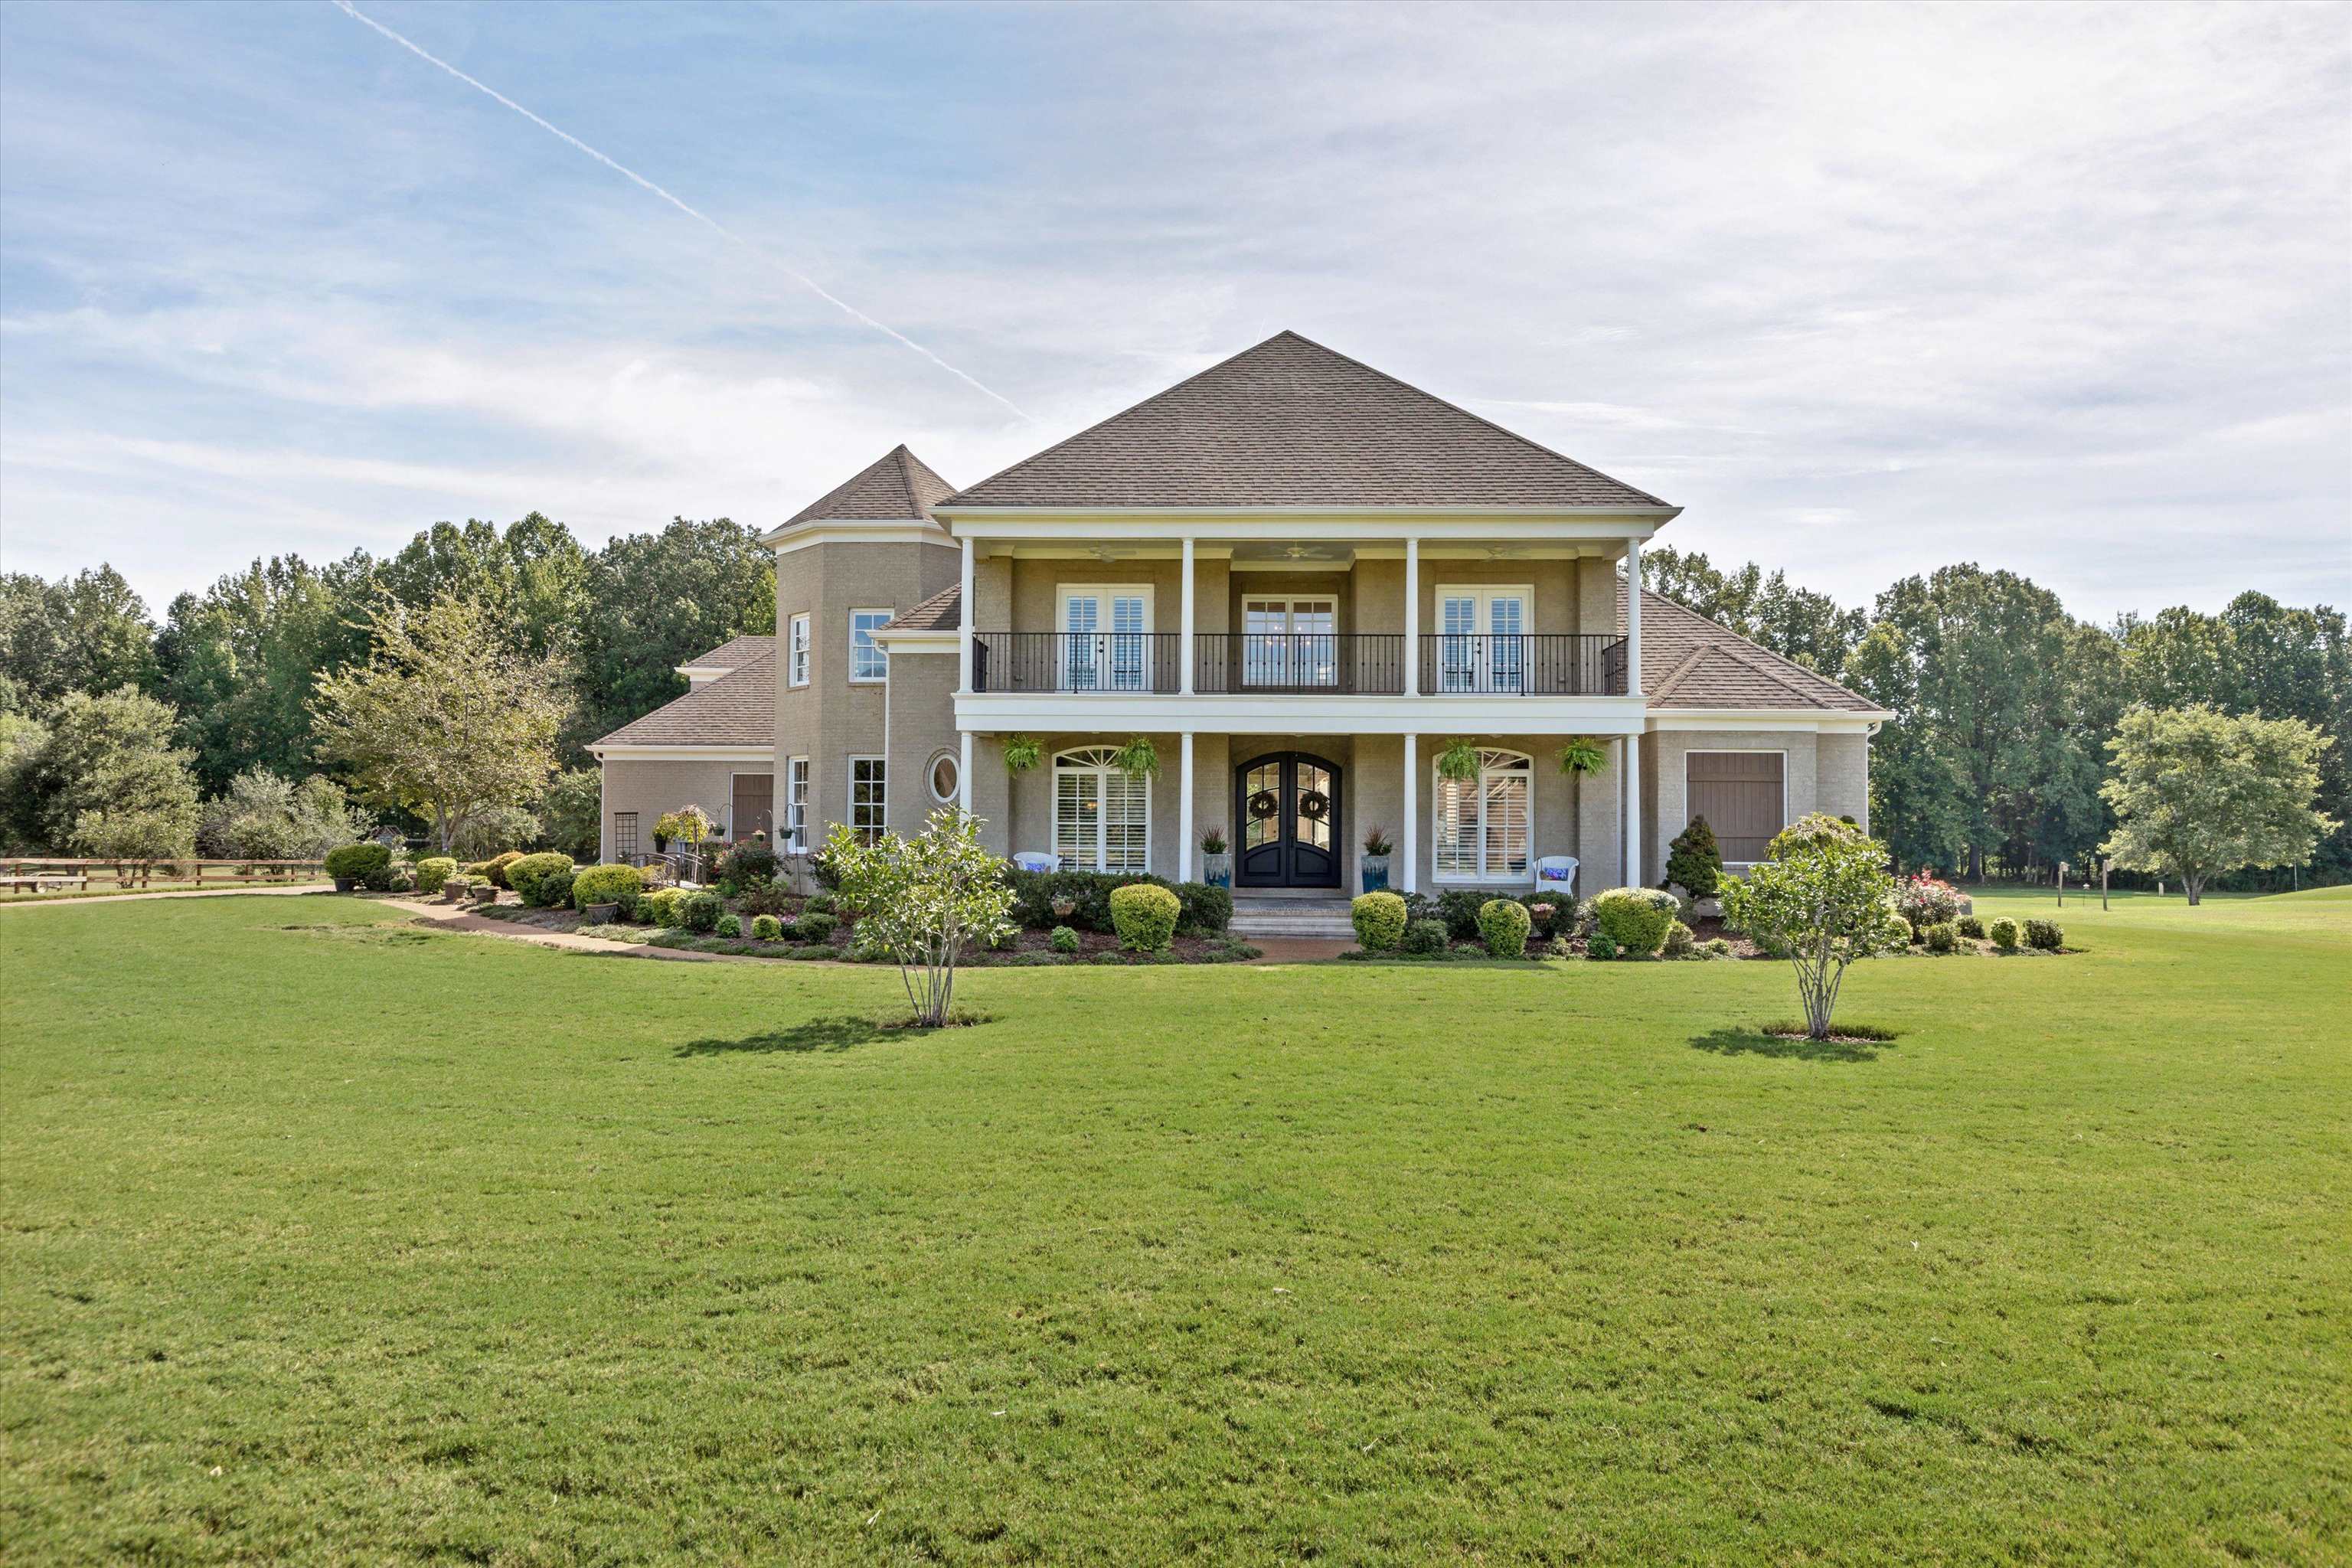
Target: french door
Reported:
point(1105, 640)
point(1482, 639)
point(1290, 643)
point(1288, 804)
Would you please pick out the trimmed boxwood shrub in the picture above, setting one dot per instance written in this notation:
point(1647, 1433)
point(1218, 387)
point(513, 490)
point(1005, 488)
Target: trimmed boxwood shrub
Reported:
point(434, 871)
point(700, 911)
point(358, 861)
point(494, 869)
point(665, 905)
point(2044, 935)
point(1941, 936)
point(1972, 927)
point(1202, 911)
point(1380, 922)
point(525, 873)
point(1424, 937)
point(767, 928)
point(1502, 926)
point(1144, 915)
point(1458, 908)
point(608, 885)
point(1064, 940)
point(815, 926)
point(2004, 934)
point(1599, 946)
point(1635, 920)
point(730, 925)
point(1681, 940)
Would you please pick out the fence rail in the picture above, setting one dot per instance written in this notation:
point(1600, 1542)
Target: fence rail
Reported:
point(20, 874)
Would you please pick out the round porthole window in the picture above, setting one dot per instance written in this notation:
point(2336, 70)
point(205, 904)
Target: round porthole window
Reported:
point(946, 777)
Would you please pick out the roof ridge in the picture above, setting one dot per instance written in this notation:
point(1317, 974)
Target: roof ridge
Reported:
point(1675, 676)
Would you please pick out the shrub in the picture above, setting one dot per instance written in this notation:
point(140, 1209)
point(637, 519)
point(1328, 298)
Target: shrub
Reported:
point(1971, 928)
point(1558, 948)
point(730, 925)
point(1502, 927)
point(665, 905)
point(817, 926)
point(767, 928)
point(608, 885)
point(1635, 920)
point(1458, 908)
point(1144, 916)
point(433, 871)
point(494, 869)
point(824, 903)
point(2044, 935)
point(749, 866)
point(556, 888)
point(1380, 922)
point(1693, 862)
point(1064, 940)
point(2003, 932)
point(1202, 911)
point(399, 878)
point(1824, 892)
point(1550, 914)
point(765, 899)
point(1718, 948)
point(1424, 936)
point(813, 952)
point(1941, 936)
point(1599, 946)
point(357, 861)
point(526, 872)
point(699, 911)
point(1925, 900)
point(1681, 940)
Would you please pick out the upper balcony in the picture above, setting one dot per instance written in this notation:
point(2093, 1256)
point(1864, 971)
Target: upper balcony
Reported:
point(1138, 664)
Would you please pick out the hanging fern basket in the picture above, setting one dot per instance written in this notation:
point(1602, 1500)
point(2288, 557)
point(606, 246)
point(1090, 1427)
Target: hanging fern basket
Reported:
point(1022, 753)
point(1583, 756)
point(1138, 758)
point(1458, 761)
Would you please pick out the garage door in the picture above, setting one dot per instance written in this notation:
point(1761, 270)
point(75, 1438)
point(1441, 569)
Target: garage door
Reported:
point(754, 807)
point(1743, 797)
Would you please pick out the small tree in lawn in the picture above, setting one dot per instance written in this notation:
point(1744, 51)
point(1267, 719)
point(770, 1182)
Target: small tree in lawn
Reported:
point(2198, 792)
point(922, 899)
point(446, 719)
point(1824, 893)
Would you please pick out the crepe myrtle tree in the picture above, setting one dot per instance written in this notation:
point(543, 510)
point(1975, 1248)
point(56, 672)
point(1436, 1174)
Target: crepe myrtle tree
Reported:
point(921, 898)
point(1823, 895)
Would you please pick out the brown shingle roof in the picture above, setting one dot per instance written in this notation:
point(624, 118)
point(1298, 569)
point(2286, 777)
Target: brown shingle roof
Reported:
point(896, 484)
point(1292, 424)
point(1689, 661)
point(733, 652)
point(940, 612)
point(739, 709)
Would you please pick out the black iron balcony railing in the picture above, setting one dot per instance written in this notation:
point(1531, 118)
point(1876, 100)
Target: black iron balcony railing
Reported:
point(1239, 663)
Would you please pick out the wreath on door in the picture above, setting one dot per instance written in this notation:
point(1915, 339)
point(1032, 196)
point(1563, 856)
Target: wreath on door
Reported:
point(1314, 805)
point(1263, 804)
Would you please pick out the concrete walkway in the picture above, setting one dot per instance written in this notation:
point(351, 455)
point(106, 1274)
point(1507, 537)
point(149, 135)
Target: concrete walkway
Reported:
point(282, 890)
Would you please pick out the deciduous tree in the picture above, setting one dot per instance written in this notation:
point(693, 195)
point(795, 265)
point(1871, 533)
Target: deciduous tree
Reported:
point(1823, 894)
point(2198, 792)
point(921, 898)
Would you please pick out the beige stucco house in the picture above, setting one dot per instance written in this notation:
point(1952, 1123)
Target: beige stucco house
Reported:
point(1302, 580)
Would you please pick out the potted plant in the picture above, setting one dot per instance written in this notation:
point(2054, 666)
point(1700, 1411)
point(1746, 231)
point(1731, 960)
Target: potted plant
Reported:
point(1022, 753)
point(456, 889)
point(1377, 850)
point(1458, 761)
point(1217, 863)
point(1138, 758)
point(1064, 906)
point(1583, 756)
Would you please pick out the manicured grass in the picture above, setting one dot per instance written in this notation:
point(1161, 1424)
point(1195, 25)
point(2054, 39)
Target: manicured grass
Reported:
point(331, 1240)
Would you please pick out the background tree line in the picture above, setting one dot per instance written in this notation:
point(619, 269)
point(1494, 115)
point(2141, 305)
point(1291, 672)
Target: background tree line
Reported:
point(99, 702)
point(2004, 704)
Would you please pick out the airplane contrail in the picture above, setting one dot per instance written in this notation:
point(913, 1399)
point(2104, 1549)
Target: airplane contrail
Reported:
point(803, 278)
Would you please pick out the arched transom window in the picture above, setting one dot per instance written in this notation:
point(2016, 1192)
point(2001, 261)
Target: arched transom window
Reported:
point(1485, 824)
point(1102, 818)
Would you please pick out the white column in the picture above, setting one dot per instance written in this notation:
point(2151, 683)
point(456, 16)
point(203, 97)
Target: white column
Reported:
point(1184, 776)
point(1412, 635)
point(1405, 882)
point(1184, 676)
point(963, 647)
point(963, 773)
point(1631, 775)
point(1633, 625)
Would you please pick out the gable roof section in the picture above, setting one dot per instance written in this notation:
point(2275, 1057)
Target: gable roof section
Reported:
point(737, 710)
point(1290, 423)
point(897, 484)
point(940, 612)
point(734, 653)
point(1691, 662)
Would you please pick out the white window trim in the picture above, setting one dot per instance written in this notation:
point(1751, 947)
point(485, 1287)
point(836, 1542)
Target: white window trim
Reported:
point(849, 801)
point(1102, 827)
point(797, 650)
point(796, 834)
point(1486, 594)
point(1064, 592)
point(931, 772)
point(888, 615)
point(1780, 752)
point(1437, 782)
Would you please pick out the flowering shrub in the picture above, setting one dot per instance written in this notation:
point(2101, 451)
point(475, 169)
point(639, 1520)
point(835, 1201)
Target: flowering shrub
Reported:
point(1926, 900)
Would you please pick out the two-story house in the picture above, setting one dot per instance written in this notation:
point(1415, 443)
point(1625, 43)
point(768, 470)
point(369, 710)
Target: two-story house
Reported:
point(1302, 580)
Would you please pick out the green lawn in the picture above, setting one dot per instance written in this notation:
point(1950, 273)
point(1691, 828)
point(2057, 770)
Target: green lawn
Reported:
point(331, 1240)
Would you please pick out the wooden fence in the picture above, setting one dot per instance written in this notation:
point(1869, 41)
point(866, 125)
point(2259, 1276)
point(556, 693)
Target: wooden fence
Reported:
point(34, 875)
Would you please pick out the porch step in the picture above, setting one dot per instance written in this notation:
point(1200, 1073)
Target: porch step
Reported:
point(1287, 914)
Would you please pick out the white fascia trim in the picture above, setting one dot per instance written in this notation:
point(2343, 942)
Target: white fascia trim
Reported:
point(683, 754)
point(911, 640)
point(1826, 721)
point(698, 673)
point(954, 512)
point(852, 530)
point(992, 712)
point(1308, 523)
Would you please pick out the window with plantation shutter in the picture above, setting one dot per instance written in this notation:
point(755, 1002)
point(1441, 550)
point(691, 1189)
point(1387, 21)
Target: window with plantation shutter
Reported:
point(1102, 818)
point(1483, 826)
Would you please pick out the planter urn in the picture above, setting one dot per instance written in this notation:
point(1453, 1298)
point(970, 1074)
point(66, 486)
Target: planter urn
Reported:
point(1217, 870)
point(602, 914)
point(1376, 873)
point(346, 884)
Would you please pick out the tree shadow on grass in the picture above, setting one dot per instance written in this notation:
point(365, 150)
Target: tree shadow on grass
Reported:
point(839, 1032)
point(1760, 1043)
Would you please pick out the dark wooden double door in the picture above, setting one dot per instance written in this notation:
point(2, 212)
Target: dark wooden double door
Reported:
point(1287, 806)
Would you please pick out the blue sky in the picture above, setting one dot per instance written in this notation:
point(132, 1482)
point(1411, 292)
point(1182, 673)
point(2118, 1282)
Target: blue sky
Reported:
point(1866, 289)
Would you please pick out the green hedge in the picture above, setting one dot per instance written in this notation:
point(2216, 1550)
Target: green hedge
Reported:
point(815, 926)
point(767, 928)
point(700, 911)
point(1635, 920)
point(1202, 911)
point(432, 873)
point(358, 861)
point(1144, 915)
point(494, 869)
point(527, 875)
point(2044, 935)
point(1502, 926)
point(665, 905)
point(609, 884)
point(2003, 932)
point(1380, 922)
point(1424, 938)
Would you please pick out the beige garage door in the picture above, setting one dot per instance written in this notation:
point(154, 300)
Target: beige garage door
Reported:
point(1743, 797)
point(754, 805)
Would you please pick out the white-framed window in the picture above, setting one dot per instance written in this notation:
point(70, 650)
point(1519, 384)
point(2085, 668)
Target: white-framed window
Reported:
point(1289, 642)
point(1102, 818)
point(797, 670)
point(1483, 826)
point(868, 797)
point(945, 777)
point(796, 775)
point(1106, 641)
point(1481, 635)
point(867, 661)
